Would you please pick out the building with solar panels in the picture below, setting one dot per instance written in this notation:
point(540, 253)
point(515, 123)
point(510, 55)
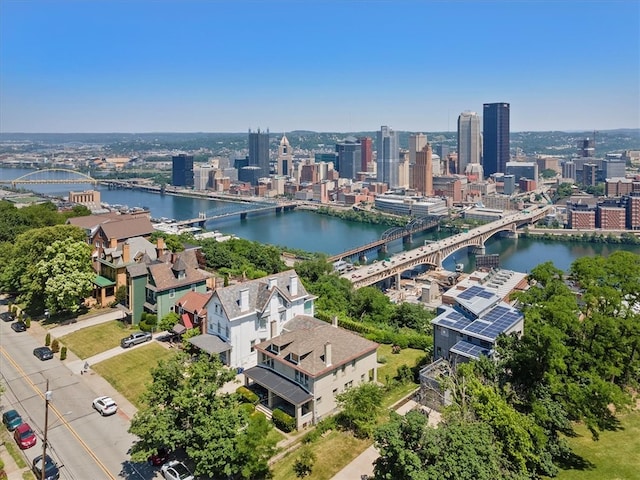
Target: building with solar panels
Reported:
point(469, 328)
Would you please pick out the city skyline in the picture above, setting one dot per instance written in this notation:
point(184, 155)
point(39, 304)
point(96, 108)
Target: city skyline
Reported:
point(350, 66)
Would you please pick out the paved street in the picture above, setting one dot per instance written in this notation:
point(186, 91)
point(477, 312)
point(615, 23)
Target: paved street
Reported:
point(88, 445)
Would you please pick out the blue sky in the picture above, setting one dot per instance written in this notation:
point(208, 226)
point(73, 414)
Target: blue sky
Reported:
point(226, 66)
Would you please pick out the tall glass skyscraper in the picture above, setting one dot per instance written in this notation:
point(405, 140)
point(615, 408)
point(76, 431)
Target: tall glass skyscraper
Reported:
point(469, 140)
point(388, 160)
point(259, 151)
point(495, 144)
point(182, 170)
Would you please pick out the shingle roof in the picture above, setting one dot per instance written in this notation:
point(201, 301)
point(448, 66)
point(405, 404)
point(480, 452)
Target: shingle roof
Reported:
point(163, 276)
point(92, 221)
point(259, 293)
point(194, 301)
point(306, 337)
point(127, 228)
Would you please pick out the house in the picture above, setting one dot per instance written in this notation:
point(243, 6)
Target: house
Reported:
point(113, 263)
point(469, 328)
point(169, 278)
point(243, 315)
point(302, 370)
point(192, 311)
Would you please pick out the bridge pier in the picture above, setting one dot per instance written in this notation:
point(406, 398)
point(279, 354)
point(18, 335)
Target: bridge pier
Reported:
point(243, 216)
point(383, 248)
point(362, 258)
point(407, 239)
point(477, 250)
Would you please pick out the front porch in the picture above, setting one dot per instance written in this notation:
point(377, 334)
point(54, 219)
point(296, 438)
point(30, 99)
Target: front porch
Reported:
point(213, 345)
point(276, 391)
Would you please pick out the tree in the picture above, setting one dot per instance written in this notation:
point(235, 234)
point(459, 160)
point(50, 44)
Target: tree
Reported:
point(303, 466)
point(360, 407)
point(183, 407)
point(371, 305)
point(414, 316)
point(168, 321)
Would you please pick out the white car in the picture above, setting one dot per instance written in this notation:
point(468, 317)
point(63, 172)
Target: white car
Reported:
point(105, 405)
point(175, 470)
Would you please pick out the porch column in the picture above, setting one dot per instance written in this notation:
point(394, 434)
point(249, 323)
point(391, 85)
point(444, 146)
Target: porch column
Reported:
point(298, 416)
point(270, 399)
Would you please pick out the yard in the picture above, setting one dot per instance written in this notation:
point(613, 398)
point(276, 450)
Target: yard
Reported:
point(130, 372)
point(616, 455)
point(89, 341)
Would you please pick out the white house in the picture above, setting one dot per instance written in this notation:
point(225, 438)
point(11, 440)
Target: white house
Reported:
point(240, 316)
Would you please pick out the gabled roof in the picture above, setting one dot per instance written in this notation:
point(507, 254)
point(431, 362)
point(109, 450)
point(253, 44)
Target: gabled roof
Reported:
point(92, 221)
point(163, 276)
point(306, 337)
point(140, 250)
point(259, 293)
point(194, 302)
point(127, 228)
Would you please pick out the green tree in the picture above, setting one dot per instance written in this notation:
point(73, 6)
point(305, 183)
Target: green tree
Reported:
point(360, 407)
point(371, 305)
point(414, 316)
point(303, 466)
point(168, 321)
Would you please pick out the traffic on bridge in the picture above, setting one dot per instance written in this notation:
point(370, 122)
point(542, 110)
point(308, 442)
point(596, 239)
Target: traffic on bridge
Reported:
point(435, 253)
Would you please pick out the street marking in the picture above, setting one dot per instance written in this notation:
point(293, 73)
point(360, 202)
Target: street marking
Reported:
point(57, 413)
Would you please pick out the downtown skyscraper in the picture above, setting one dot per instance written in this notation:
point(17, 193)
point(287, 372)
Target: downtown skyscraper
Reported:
point(495, 145)
point(259, 151)
point(469, 140)
point(388, 160)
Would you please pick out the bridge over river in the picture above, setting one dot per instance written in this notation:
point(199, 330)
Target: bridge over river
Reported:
point(434, 253)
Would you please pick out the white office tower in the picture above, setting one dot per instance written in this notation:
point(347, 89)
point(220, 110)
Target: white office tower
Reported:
point(469, 140)
point(388, 158)
point(417, 141)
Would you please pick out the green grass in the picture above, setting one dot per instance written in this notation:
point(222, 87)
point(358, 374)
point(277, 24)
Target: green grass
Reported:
point(130, 372)
point(615, 456)
point(12, 448)
point(333, 452)
point(407, 356)
point(90, 341)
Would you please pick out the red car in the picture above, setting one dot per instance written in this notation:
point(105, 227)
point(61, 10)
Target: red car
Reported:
point(24, 436)
point(160, 457)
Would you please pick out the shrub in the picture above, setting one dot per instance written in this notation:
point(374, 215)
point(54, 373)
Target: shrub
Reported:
point(63, 353)
point(382, 359)
point(55, 345)
point(283, 421)
point(323, 426)
point(304, 463)
point(248, 408)
point(47, 340)
point(247, 395)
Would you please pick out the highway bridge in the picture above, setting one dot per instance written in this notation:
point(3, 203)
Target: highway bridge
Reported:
point(242, 209)
point(434, 253)
point(62, 176)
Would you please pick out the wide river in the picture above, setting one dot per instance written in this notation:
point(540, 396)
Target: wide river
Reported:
point(319, 233)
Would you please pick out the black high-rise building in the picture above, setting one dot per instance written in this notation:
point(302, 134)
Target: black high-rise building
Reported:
point(259, 151)
point(182, 171)
point(495, 147)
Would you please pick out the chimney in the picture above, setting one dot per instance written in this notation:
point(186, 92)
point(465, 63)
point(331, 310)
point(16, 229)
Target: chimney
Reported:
point(160, 246)
point(327, 354)
point(113, 242)
point(273, 282)
point(126, 252)
point(293, 285)
point(244, 300)
point(274, 328)
point(334, 321)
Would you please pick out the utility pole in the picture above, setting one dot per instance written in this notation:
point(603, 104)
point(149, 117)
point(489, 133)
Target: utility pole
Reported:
point(47, 398)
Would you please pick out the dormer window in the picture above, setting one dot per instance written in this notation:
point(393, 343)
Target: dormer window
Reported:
point(294, 358)
point(274, 348)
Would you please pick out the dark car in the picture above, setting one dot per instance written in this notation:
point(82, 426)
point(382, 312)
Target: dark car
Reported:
point(7, 317)
point(160, 457)
point(135, 339)
point(11, 419)
point(43, 353)
point(19, 327)
point(51, 471)
point(24, 436)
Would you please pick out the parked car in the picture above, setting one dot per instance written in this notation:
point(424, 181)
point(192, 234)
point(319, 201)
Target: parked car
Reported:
point(160, 457)
point(105, 405)
point(24, 436)
point(11, 419)
point(19, 327)
point(7, 317)
point(51, 471)
point(43, 353)
point(175, 470)
point(135, 339)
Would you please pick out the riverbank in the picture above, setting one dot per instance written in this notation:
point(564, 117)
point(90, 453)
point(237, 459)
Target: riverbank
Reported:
point(615, 237)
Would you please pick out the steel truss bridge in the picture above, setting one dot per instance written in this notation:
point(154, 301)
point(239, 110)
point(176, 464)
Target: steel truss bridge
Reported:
point(42, 177)
point(388, 236)
point(434, 253)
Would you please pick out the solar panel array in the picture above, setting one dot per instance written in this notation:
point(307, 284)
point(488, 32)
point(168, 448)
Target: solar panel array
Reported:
point(469, 350)
point(475, 291)
point(496, 321)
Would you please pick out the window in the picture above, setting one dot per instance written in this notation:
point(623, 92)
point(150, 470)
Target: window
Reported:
point(301, 378)
point(319, 400)
point(262, 323)
point(274, 348)
point(353, 364)
point(348, 385)
point(294, 358)
point(193, 287)
point(335, 392)
point(344, 370)
point(172, 293)
point(253, 343)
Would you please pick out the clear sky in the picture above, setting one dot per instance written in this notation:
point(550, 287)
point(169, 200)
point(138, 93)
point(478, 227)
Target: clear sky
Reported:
point(226, 66)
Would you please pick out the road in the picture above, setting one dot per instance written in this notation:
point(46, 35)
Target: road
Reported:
point(88, 445)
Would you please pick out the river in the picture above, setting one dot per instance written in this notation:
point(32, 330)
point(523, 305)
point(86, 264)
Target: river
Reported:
point(319, 233)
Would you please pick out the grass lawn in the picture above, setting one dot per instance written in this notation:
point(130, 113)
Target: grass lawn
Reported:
point(615, 456)
point(130, 372)
point(92, 340)
point(333, 453)
point(407, 356)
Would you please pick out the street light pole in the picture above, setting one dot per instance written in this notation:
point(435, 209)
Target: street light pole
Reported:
point(47, 398)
